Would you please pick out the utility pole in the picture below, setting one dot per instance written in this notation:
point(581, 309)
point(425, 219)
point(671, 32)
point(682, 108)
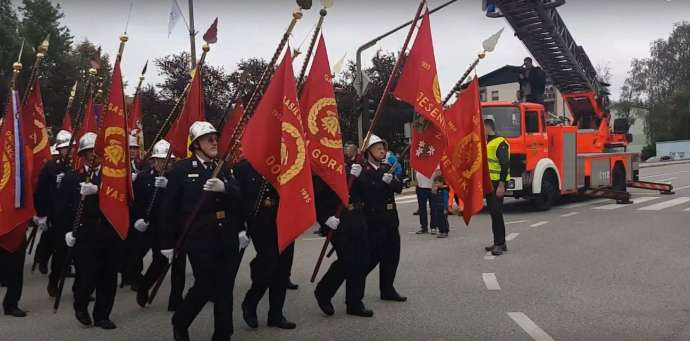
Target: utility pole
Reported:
point(192, 34)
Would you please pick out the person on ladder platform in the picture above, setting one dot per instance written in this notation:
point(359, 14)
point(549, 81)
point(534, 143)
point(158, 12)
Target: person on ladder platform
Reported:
point(351, 243)
point(97, 247)
point(270, 270)
point(498, 155)
point(379, 187)
point(213, 240)
point(148, 229)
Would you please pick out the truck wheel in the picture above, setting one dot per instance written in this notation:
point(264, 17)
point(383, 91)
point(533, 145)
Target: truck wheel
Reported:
point(618, 177)
point(549, 193)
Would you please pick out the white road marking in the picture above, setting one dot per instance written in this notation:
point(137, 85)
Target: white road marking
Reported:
point(616, 206)
point(405, 197)
point(539, 224)
point(664, 174)
point(530, 327)
point(569, 214)
point(489, 256)
point(687, 209)
point(490, 281)
point(409, 201)
point(582, 204)
point(681, 188)
point(666, 204)
point(516, 222)
point(512, 236)
point(666, 180)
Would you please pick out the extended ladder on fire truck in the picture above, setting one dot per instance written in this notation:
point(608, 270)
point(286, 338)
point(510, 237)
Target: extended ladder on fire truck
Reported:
point(540, 27)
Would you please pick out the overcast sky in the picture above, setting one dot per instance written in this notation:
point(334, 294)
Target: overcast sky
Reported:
point(613, 32)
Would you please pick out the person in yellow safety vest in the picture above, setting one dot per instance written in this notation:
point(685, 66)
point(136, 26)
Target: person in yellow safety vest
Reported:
point(498, 154)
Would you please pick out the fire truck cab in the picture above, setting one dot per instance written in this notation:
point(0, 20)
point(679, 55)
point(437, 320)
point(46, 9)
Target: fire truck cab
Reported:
point(550, 158)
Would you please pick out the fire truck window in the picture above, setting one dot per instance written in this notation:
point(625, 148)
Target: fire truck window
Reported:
point(531, 122)
point(507, 120)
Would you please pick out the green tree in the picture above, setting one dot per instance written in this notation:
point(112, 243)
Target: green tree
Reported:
point(42, 19)
point(661, 83)
point(9, 47)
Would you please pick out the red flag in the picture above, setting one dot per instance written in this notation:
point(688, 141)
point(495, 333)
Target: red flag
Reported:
point(231, 122)
point(464, 165)
point(193, 111)
point(135, 123)
point(16, 191)
point(89, 124)
point(320, 112)
point(274, 144)
point(418, 86)
point(34, 122)
point(67, 122)
point(211, 35)
point(111, 145)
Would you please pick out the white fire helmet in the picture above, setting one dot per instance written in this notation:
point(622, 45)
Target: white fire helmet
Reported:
point(133, 139)
point(87, 141)
point(160, 150)
point(199, 129)
point(54, 151)
point(374, 139)
point(62, 139)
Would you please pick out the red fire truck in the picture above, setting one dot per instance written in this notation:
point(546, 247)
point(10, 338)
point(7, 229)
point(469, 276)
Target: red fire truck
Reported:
point(554, 156)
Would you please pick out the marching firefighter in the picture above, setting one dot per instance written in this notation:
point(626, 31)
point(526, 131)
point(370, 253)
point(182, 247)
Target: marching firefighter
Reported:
point(59, 222)
point(498, 155)
point(379, 188)
point(96, 244)
point(148, 228)
point(213, 240)
point(132, 264)
point(351, 243)
point(270, 270)
point(44, 199)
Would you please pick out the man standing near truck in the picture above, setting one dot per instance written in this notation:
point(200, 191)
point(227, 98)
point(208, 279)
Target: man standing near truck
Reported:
point(498, 155)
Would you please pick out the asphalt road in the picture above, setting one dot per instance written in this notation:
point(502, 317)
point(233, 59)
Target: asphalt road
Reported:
point(585, 270)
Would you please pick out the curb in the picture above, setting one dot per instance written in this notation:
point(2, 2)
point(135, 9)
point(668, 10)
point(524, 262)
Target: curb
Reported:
point(661, 164)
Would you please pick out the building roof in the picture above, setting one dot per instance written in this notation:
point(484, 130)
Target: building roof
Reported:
point(502, 75)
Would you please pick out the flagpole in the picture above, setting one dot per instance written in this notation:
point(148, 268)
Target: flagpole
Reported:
point(322, 15)
point(232, 151)
point(235, 98)
point(42, 50)
point(377, 116)
point(464, 76)
point(192, 34)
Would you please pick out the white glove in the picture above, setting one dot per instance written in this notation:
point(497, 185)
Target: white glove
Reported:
point(141, 225)
point(58, 178)
point(356, 170)
point(88, 189)
point(387, 178)
point(160, 182)
point(244, 239)
point(168, 253)
point(70, 240)
point(214, 185)
point(332, 223)
point(41, 223)
point(134, 177)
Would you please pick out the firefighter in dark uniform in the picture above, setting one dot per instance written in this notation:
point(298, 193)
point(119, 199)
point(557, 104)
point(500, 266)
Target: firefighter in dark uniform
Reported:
point(148, 230)
point(58, 224)
point(44, 199)
point(132, 264)
point(380, 186)
point(97, 246)
point(498, 155)
point(351, 242)
point(269, 269)
point(215, 237)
